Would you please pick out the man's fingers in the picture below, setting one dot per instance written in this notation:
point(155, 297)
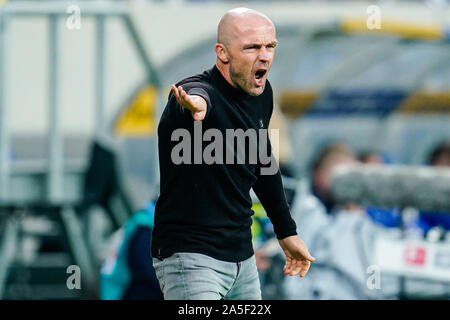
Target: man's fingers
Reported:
point(180, 91)
point(305, 255)
point(297, 267)
point(295, 271)
point(182, 97)
point(292, 267)
point(305, 269)
point(288, 266)
point(180, 94)
point(176, 92)
point(196, 104)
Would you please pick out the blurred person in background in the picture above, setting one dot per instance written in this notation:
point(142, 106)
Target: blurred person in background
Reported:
point(438, 157)
point(340, 236)
point(329, 158)
point(127, 273)
point(370, 157)
point(386, 217)
point(423, 222)
point(344, 242)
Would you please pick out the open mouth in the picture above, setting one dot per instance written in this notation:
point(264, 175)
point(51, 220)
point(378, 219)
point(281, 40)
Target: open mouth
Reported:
point(260, 73)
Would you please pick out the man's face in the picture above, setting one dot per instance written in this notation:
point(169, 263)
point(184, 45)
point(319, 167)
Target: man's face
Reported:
point(251, 53)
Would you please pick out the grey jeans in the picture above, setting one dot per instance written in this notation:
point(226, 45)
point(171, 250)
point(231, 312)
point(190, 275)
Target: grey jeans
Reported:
point(195, 276)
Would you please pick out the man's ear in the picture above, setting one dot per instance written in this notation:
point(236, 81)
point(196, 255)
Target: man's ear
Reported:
point(222, 54)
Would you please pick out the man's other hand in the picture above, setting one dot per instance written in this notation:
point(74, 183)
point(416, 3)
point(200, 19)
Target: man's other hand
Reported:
point(298, 258)
point(196, 104)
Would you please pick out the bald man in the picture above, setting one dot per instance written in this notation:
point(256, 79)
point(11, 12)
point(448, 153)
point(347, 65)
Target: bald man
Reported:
point(202, 242)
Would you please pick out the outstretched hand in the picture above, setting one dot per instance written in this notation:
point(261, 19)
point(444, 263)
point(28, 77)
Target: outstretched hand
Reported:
point(298, 258)
point(196, 104)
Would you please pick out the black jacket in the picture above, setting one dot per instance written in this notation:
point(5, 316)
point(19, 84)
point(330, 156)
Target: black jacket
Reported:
point(206, 208)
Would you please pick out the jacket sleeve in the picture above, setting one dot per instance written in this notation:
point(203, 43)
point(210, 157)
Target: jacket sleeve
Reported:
point(270, 192)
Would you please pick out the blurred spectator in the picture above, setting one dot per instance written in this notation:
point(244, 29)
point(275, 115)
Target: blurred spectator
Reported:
point(440, 156)
point(128, 273)
point(322, 166)
point(344, 243)
point(370, 158)
point(423, 221)
point(389, 218)
point(338, 238)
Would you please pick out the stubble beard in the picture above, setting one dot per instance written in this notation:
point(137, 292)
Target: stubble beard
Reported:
point(242, 82)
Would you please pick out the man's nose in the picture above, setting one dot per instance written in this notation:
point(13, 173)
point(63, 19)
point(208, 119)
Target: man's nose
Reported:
point(264, 55)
